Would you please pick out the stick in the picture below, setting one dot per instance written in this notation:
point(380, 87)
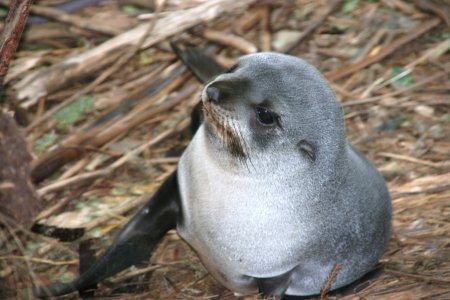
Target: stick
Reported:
point(75, 146)
point(108, 170)
point(117, 61)
point(74, 20)
point(39, 260)
point(412, 160)
point(441, 11)
point(83, 23)
point(10, 37)
point(396, 93)
point(418, 277)
point(42, 82)
point(385, 51)
point(231, 40)
point(326, 288)
point(330, 7)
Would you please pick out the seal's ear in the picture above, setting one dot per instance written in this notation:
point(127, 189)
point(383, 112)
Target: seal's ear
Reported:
point(222, 90)
point(307, 149)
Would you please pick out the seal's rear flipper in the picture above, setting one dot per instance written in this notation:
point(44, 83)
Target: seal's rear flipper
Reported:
point(204, 67)
point(133, 245)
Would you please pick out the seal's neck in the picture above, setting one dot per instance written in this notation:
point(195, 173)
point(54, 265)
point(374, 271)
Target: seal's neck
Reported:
point(280, 160)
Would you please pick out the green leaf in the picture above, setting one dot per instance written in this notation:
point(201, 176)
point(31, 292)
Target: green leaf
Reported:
point(44, 142)
point(95, 233)
point(394, 123)
point(71, 113)
point(66, 277)
point(145, 59)
point(79, 205)
point(402, 78)
point(95, 202)
point(94, 215)
point(3, 12)
point(31, 247)
point(445, 118)
point(131, 9)
point(349, 6)
point(38, 47)
point(121, 190)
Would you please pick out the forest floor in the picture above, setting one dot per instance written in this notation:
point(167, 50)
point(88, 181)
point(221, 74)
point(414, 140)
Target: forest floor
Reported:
point(388, 61)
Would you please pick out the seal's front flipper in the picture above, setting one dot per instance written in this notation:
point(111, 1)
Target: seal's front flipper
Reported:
point(133, 245)
point(275, 286)
point(361, 283)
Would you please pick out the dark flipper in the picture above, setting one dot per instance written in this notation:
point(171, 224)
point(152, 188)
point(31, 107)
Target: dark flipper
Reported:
point(361, 283)
point(133, 245)
point(204, 67)
point(275, 285)
point(350, 289)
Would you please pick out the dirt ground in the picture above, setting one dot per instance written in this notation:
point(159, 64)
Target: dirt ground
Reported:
point(106, 122)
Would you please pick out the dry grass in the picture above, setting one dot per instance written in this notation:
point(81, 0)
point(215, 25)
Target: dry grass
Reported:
point(402, 126)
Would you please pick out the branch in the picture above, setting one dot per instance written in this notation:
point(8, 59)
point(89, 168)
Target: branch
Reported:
point(14, 24)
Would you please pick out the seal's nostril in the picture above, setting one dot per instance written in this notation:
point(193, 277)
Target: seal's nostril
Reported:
point(213, 94)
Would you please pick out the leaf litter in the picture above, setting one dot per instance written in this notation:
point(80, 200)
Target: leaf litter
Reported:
point(387, 60)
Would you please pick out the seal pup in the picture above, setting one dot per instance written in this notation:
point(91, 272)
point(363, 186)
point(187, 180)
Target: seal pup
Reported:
point(268, 193)
point(279, 196)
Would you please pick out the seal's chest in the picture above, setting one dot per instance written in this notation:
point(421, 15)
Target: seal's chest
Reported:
point(239, 221)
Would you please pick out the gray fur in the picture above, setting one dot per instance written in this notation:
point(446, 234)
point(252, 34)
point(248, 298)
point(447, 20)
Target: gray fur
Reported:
point(274, 212)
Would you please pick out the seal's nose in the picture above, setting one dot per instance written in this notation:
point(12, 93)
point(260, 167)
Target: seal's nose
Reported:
point(213, 94)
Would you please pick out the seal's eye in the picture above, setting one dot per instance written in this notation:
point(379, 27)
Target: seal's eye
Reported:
point(265, 115)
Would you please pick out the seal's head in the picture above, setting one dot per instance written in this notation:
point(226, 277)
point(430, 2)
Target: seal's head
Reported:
point(272, 103)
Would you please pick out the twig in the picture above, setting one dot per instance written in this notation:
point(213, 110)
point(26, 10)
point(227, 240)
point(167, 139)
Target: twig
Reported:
point(72, 6)
point(10, 37)
point(117, 211)
point(385, 51)
point(74, 20)
point(21, 247)
point(243, 25)
point(429, 54)
point(372, 42)
point(230, 40)
point(412, 160)
point(98, 136)
point(25, 231)
point(266, 35)
point(134, 274)
point(433, 190)
point(396, 93)
point(83, 23)
point(40, 83)
point(314, 24)
point(406, 8)
point(39, 260)
point(59, 205)
point(441, 11)
point(418, 277)
point(164, 160)
point(120, 60)
point(108, 170)
point(326, 288)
